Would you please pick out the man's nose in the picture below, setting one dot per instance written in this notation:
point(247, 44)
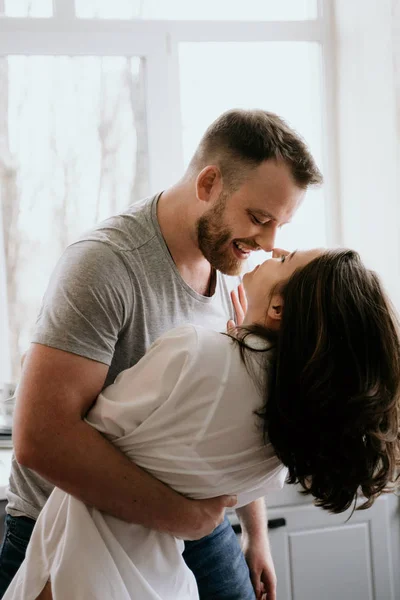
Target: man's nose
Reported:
point(266, 239)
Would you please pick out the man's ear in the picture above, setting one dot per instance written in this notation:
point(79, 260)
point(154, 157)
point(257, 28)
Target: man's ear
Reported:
point(275, 311)
point(208, 183)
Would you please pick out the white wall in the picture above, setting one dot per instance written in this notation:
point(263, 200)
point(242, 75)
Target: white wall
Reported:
point(368, 144)
point(367, 135)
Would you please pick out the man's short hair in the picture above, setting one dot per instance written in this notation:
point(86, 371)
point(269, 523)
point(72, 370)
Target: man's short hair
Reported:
point(240, 140)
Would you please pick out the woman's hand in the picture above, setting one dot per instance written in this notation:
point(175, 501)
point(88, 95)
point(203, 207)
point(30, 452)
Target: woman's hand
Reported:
point(256, 549)
point(239, 302)
point(261, 567)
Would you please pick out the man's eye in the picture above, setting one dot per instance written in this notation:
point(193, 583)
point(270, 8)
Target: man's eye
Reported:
point(257, 221)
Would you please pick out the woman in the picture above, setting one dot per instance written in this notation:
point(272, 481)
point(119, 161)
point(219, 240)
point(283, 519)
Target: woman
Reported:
point(315, 367)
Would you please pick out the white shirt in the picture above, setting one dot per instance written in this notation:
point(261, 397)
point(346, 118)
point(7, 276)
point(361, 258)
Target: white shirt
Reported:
point(185, 413)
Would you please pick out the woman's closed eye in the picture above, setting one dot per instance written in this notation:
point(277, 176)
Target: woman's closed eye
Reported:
point(283, 257)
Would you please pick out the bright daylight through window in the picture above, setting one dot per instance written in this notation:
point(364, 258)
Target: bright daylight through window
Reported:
point(112, 107)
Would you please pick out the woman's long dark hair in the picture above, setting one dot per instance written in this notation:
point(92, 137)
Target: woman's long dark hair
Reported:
point(332, 403)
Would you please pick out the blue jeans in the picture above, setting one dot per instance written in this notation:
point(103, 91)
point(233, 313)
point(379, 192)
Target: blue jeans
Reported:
point(218, 563)
point(17, 533)
point(219, 566)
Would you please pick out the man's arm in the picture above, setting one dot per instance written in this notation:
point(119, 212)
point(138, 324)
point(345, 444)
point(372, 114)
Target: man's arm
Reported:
point(256, 548)
point(56, 390)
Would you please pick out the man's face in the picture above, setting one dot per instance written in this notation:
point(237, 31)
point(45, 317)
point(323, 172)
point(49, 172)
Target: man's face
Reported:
point(248, 218)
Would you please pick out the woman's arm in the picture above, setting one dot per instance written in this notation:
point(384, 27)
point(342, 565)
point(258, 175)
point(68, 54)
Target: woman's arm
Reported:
point(256, 548)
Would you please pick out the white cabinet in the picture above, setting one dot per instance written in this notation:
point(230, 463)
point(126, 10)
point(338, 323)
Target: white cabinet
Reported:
point(320, 556)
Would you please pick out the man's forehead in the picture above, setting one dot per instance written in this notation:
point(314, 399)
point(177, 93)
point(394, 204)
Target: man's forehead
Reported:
point(270, 200)
point(272, 190)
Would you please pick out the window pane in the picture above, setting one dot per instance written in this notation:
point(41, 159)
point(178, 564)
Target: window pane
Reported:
point(74, 151)
point(26, 8)
point(269, 10)
point(218, 76)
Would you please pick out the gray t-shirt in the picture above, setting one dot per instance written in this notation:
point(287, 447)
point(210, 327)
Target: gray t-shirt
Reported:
point(111, 295)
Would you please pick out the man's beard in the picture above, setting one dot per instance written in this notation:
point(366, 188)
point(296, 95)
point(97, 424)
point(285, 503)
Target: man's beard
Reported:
point(214, 240)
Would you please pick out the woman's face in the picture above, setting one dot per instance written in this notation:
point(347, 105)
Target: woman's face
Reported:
point(263, 280)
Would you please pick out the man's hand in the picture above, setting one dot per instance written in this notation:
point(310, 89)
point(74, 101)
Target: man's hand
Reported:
point(239, 302)
point(206, 515)
point(261, 567)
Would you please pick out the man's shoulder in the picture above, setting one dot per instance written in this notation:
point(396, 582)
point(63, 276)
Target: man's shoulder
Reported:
point(127, 231)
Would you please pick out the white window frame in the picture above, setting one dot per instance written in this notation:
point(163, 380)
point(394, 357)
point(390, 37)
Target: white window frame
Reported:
point(158, 42)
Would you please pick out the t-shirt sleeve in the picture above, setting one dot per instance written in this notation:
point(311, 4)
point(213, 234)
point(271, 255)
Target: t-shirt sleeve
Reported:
point(137, 392)
point(86, 303)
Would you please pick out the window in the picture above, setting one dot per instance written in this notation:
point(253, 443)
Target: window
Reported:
point(103, 103)
point(26, 8)
point(75, 153)
point(269, 10)
point(228, 62)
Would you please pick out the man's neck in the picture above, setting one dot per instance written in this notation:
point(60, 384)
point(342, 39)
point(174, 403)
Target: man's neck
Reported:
point(203, 283)
point(178, 228)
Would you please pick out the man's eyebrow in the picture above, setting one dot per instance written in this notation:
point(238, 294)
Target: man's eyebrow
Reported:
point(292, 254)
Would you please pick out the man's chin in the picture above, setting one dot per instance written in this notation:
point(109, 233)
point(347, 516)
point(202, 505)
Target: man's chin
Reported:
point(225, 263)
point(233, 272)
point(229, 267)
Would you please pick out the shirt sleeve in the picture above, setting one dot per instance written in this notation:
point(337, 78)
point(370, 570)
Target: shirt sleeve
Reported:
point(137, 392)
point(86, 303)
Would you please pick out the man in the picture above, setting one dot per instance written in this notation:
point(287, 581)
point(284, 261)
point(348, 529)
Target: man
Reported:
point(158, 265)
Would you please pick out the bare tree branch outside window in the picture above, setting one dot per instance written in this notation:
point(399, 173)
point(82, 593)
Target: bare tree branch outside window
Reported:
point(64, 164)
point(10, 206)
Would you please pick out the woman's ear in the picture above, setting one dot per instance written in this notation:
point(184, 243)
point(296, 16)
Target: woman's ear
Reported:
point(274, 313)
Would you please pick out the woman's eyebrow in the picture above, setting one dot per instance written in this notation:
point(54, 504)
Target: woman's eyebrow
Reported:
point(292, 254)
